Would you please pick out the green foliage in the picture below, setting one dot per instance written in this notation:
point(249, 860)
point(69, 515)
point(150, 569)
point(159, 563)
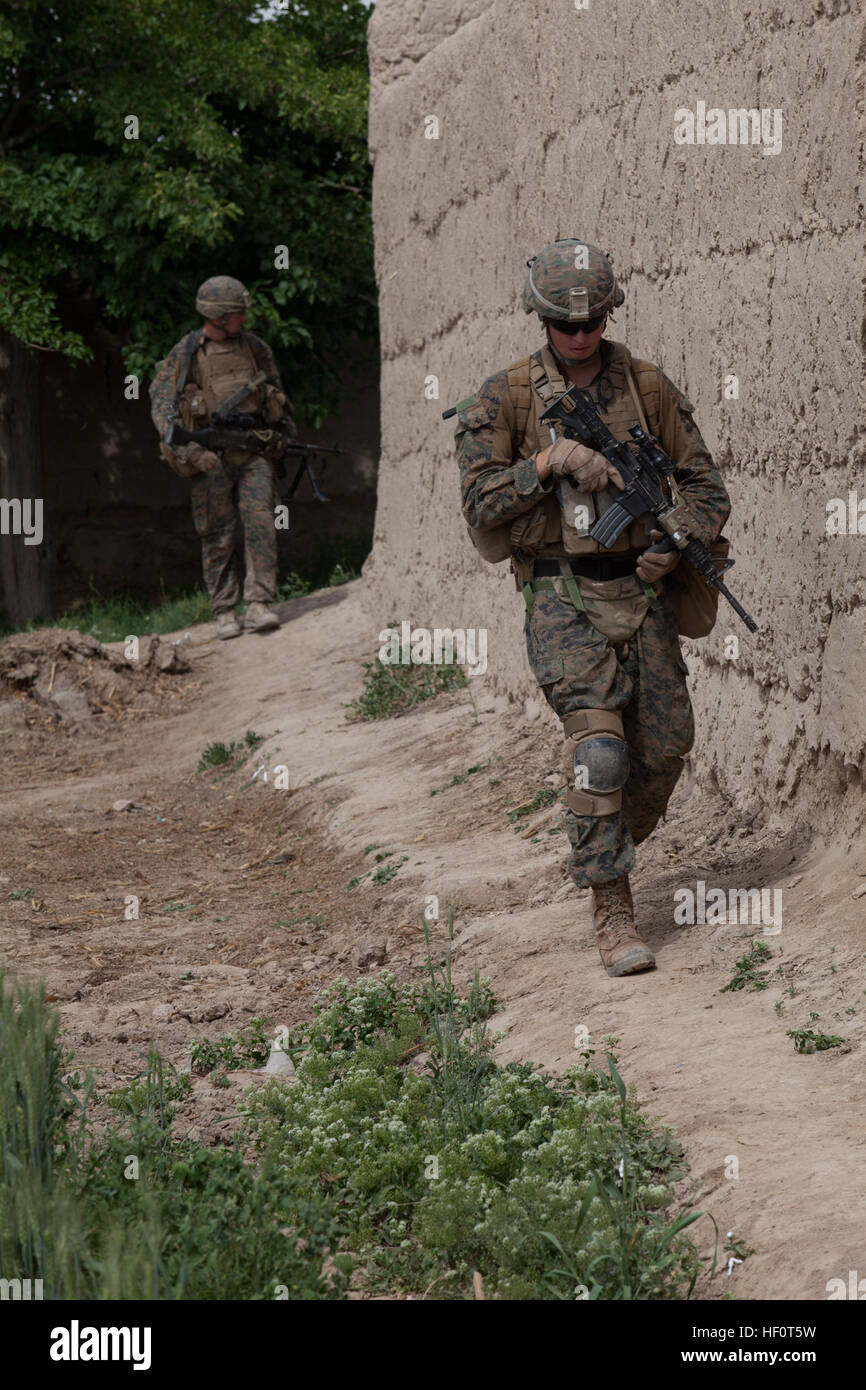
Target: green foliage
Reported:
point(807, 1040)
point(229, 755)
point(746, 973)
point(252, 135)
point(151, 1093)
point(546, 797)
point(112, 618)
point(129, 1212)
point(351, 1015)
point(546, 1184)
point(386, 872)
point(736, 1245)
point(291, 585)
point(335, 559)
point(460, 777)
point(216, 755)
point(249, 1047)
point(391, 690)
point(36, 1136)
point(554, 1187)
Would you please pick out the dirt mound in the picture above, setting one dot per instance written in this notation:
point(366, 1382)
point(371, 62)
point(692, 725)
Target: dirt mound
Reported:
point(73, 678)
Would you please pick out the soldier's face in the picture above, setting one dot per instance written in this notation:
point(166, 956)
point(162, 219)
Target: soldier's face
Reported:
point(233, 323)
point(575, 347)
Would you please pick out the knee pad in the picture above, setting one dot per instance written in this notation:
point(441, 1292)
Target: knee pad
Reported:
point(596, 763)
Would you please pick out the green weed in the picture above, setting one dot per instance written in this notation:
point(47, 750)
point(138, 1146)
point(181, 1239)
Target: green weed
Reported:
point(249, 1047)
point(547, 1184)
point(229, 755)
point(746, 973)
point(151, 1094)
point(461, 777)
point(546, 797)
point(391, 690)
point(807, 1040)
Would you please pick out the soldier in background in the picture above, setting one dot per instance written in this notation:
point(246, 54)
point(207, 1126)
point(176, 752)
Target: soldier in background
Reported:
point(601, 626)
point(234, 493)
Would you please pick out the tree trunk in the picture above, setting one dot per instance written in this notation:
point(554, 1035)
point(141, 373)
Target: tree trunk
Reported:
point(26, 570)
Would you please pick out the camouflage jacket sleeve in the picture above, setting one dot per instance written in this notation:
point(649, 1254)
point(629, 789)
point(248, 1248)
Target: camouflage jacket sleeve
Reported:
point(495, 487)
point(697, 476)
point(265, 359)
point(162, 389)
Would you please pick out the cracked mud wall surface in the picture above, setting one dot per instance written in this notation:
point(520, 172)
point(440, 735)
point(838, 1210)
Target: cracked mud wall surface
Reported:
point(553, 122)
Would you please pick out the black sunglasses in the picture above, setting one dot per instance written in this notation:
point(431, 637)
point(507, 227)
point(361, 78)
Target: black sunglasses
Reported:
point(585, 326)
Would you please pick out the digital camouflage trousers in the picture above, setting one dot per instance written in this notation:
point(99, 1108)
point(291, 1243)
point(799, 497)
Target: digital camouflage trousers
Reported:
point(645, 680)
point(232, 501)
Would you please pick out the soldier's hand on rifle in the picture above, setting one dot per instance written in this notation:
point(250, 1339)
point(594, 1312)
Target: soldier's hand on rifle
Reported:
point(651, 567)
point(568, 459)
point(202, 459)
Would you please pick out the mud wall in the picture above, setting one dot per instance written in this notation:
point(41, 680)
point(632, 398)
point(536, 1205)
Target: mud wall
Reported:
point(554, 121)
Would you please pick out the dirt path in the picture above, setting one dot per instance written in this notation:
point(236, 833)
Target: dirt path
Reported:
point(245, 907)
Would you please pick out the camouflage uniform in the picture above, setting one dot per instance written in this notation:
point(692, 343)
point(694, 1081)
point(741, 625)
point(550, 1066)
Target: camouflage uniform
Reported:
point(575, 664)
point(239, 495)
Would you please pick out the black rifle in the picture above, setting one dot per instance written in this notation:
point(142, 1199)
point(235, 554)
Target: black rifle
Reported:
point(235, 431)
point(646, 471)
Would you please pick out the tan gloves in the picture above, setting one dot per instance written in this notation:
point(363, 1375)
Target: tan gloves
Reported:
point(202, 459)
point(568, 459)
point(654, 567)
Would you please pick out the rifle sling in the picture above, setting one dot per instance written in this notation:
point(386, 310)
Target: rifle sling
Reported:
point(191, 346)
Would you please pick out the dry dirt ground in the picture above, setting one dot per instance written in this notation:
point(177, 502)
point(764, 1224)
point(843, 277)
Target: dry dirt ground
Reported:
point(245, 907)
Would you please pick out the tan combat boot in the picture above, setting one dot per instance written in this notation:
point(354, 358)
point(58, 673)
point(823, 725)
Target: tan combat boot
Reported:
point(228, 626)
point(621, 949)
point(259, 618)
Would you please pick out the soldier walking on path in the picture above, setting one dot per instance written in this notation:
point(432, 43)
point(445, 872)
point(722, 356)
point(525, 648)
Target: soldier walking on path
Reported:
point(602, 634)
point(234, 493)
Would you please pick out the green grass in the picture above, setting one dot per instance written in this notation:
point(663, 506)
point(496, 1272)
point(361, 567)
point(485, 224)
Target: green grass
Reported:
point(151, 1092)
point(113, 617)
point(130, 1212)
point(391, 690)
point(460, 777)
point(546, 797)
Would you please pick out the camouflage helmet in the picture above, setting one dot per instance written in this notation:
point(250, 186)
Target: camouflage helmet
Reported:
point(221, 295)
point(571, 280)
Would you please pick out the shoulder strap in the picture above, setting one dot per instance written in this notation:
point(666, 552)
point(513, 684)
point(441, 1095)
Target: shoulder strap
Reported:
point(529, 374)
point(518, 390)
point(546, 377)
point(635, 395)
point(190, 347)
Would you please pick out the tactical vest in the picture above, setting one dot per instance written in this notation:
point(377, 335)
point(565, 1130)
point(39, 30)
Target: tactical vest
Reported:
point(533, 383)
point(221, 368)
